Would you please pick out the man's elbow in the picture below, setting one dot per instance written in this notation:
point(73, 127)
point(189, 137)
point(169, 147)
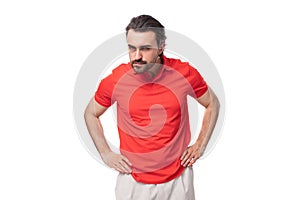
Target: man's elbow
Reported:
point(216, 103)
point(88, 112)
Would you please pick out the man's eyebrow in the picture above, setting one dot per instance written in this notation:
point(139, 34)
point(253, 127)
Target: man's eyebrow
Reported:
point(129, 45)
point(146, 46)
point(143, 46)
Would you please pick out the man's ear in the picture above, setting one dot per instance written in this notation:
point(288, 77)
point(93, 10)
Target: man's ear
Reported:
point(161, 49)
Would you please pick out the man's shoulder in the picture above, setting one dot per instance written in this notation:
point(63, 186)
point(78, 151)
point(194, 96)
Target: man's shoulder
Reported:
point(119, 71)
point(177, 64)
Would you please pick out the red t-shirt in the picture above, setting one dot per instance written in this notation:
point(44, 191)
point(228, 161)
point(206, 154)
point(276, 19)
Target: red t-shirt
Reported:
point(152, 114)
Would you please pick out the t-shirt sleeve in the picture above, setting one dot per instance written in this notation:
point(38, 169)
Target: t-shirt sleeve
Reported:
point(103, 95)
point(197, 82)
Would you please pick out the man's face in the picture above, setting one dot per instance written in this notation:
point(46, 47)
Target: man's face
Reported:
point(143, 50)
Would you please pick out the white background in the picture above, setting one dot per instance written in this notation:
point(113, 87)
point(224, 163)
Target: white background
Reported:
point(254, 44)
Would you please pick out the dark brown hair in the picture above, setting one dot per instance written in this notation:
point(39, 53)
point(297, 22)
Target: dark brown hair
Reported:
point(144, 23)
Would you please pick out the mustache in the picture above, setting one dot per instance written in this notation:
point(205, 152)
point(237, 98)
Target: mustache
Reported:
point(139, 61)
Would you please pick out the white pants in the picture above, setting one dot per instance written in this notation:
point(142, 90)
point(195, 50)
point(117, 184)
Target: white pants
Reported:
point(181, 188)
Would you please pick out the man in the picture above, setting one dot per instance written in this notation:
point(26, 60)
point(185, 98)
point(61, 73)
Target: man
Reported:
point(155, 161)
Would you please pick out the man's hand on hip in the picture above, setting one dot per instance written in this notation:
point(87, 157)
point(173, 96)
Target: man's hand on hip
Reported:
point(190, 155)
point(117, 162)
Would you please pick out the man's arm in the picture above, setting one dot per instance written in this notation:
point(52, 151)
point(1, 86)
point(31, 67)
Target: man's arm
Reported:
point(210, 101)
point(92, 113)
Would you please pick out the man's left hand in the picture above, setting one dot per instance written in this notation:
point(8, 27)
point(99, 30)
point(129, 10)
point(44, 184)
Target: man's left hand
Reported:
point(191, 155)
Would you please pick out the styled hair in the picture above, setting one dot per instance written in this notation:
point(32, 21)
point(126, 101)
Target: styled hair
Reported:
point(145, 23)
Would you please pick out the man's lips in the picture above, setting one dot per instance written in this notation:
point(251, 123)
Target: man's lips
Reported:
point(138, 64)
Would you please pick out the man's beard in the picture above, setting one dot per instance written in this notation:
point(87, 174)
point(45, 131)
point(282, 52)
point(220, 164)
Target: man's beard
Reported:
point(140, 66)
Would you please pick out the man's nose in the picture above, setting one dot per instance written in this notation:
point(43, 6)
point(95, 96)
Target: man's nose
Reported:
point(138, 54)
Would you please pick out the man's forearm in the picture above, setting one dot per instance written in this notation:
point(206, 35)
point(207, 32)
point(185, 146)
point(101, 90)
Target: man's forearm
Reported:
point(194, 152)
point(209, 121)
point(111, 159)
point(96, 131)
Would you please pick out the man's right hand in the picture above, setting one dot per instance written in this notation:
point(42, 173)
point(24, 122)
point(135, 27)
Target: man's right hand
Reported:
point(117, 162)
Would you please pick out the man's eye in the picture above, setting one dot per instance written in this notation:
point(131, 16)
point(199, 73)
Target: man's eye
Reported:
point(131, 48)
point(145, 48)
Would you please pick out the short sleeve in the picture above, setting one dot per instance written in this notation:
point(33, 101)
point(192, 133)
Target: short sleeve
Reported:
point(197, 82)
point(103, 94)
